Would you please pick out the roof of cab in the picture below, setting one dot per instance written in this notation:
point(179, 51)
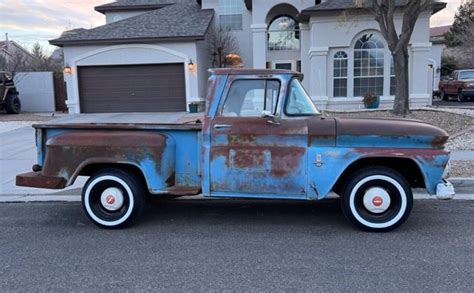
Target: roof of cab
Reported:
point(248, 71)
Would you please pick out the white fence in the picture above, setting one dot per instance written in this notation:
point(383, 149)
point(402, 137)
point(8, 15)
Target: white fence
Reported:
point(36, 91)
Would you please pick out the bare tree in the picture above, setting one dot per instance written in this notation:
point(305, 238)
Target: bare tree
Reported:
point(221, 43)
point(15, 62)
point(398, 42)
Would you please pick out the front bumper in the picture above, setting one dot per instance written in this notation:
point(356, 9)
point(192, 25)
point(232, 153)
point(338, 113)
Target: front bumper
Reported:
point(445, 190)
point(468, 92)
point(36, 179)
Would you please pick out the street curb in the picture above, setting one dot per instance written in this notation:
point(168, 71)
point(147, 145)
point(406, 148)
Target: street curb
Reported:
point(460, 182)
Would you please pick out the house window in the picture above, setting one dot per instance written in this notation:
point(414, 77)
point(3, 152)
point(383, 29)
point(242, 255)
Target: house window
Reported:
point(368, 65)
point(393, 80)
point(340, 74)
point(231, 14)
point(283, 34)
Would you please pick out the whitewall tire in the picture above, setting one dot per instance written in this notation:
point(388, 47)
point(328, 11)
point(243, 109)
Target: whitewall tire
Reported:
point(377, 199)
point(112, 198)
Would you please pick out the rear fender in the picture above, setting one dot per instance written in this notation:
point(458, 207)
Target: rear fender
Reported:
point(68, 154)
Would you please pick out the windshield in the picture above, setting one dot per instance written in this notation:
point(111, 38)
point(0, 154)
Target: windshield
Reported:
point(466, 75)
point(298, 102)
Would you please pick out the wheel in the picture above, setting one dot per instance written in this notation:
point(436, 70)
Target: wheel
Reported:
point(113, 198)
point(444, 96)
point(377, 199)
point(12, 104)
point(460, 97)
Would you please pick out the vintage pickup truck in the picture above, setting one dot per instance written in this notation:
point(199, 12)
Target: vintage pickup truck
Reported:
point(260, 137)
point(460, 85)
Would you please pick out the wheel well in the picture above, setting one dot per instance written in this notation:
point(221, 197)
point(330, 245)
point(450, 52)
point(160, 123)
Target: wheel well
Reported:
point(91, 169)
point(406, 167)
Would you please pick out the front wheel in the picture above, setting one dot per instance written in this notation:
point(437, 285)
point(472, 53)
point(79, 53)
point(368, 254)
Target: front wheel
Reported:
point(113, 198)
point(377, 199)
point(444, 96)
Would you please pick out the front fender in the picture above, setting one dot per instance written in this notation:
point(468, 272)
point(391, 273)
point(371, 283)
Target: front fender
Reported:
point(333, 162)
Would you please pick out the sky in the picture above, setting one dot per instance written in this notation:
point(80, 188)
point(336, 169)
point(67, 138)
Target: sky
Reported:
point(30, 21)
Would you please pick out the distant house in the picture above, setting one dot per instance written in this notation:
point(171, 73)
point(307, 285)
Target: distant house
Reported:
point(13, 55)
point(151, 55)
point(437, 49)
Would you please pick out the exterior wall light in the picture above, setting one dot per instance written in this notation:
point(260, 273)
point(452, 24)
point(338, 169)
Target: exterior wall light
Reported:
point(67, 69)
point(191, 65)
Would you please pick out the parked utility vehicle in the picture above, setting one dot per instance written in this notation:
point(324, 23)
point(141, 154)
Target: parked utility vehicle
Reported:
point(459, 85)
point(260, 137)
point(9, 99)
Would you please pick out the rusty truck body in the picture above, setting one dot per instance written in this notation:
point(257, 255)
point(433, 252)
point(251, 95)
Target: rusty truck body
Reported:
point(260, 137)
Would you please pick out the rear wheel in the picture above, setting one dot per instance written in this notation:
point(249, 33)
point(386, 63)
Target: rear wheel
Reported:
point(377, 199)
point(113, 198)
point(13, 104)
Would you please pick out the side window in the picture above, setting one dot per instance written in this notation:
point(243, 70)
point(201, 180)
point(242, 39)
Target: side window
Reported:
point(298, 102)
point(250, 97)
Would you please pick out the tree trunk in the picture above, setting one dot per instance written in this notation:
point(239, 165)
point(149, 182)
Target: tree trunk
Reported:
point(401, 104)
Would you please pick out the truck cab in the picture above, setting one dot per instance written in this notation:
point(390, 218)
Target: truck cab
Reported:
point(260, 137)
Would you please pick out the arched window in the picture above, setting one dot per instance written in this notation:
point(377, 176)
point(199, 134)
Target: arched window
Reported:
point(340, 74)
point(283, 34)
point(368, 65)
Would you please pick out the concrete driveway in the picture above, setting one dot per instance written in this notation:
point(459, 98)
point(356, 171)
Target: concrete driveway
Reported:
point(17, 155)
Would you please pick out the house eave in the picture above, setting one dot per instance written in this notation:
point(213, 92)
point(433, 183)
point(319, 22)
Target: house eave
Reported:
point(305, 15)
point(104, 10)
point(61, 43)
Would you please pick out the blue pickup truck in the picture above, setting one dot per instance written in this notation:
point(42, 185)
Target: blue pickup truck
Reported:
point(259, 137)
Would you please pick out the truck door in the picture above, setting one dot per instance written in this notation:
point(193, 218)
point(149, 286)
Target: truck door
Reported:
point(253, 155)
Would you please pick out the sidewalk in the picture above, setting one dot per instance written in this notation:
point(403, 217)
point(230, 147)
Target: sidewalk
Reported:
point(17, 155)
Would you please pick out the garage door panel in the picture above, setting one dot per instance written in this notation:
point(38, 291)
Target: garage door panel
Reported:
point(134, 88)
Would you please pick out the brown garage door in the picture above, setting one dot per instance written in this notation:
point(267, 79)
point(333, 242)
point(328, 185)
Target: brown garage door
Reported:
point(132, 88)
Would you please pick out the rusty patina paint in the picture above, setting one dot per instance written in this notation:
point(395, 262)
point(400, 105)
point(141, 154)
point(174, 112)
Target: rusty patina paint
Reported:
point(36, 179)
point(67, 154)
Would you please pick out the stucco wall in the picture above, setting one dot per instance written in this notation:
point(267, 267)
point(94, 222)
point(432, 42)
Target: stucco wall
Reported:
point(332, 32)
point(243, 37)
point(181, 52)
point(436, 54)
point(36, 91)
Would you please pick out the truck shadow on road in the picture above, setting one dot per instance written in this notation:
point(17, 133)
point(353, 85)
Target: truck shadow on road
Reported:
point(245, 214)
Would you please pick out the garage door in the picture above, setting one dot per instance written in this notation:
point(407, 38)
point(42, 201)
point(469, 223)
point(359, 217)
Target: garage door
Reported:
point(132, 88)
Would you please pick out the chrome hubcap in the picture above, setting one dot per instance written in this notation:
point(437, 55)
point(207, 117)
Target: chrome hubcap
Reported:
point(112, 199)
point(376, 200)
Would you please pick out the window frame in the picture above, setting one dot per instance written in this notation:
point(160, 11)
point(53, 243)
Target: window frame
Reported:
point(287, 95)
point(223, 12)
point(376, 50)
point(346, 77)
point(223, 101)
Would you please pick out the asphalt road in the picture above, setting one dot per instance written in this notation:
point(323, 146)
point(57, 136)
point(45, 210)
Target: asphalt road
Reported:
point(236, 245)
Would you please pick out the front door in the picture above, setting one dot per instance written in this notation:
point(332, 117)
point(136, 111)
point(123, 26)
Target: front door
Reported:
point(252, 155)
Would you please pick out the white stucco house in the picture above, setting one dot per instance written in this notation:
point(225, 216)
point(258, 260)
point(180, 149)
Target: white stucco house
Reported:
point(151, 55)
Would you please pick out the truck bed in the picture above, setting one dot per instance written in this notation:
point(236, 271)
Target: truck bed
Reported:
point(152, 120)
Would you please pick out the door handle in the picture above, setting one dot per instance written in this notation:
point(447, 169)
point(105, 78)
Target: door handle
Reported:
point(222, 126)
